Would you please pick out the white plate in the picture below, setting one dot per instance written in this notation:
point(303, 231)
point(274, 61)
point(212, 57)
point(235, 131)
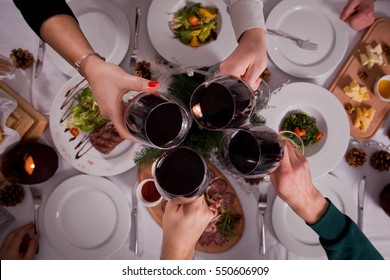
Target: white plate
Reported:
point(106, 28)
point(331, 119)
point(293, 232)
point(119, 160)
point(87, 217)
point(163, 40)
point(313, 20)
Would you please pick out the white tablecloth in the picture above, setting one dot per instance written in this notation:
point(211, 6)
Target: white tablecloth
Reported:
point(15, 33)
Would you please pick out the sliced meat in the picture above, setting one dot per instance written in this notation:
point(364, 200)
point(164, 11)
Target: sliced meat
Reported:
point(105, 139)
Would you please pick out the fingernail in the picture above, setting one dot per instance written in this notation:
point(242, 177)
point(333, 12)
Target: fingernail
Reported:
point(153, 84)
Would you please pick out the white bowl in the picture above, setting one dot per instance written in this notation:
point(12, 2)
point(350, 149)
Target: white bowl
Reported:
point(376, 88)
point(145, 184)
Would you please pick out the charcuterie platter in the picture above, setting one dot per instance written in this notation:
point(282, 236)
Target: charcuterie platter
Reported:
point(212, 242)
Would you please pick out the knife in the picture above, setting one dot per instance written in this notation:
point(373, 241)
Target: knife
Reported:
point(134, 53)
point(39, 62)
point(134, 213)
point(362, 186)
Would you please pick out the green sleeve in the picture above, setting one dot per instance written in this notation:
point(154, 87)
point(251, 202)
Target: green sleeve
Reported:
point(342, 239)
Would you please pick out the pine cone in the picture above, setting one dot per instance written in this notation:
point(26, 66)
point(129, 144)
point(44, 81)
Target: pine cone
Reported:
point(142, 69)
point(22, 58)
point(356, 157)
point(11, 195)
point(380, 160)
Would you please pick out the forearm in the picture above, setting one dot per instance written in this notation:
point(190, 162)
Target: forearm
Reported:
point(64, 35)
point(170, 251)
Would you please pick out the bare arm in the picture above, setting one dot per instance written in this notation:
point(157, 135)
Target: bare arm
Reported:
point(183, 224)
point(108, 81)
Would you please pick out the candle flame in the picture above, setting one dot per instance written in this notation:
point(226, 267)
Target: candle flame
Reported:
point(29, 165)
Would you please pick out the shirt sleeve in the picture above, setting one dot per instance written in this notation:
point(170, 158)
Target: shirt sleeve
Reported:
point(341, 238)
point(37, 11)
point(245, 15)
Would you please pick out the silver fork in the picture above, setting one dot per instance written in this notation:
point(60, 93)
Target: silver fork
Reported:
point(37, 200)
point(262, 205)
point(304, 44)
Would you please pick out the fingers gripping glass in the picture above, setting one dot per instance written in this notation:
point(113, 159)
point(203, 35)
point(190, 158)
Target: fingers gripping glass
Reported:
point(226, 102)
point(253, 151)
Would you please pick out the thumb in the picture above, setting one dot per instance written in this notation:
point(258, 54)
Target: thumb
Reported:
point(348, 9)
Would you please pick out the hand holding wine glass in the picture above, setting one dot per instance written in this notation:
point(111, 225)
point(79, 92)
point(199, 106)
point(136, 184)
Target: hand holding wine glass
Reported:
point(254, 151)
point(226, 101)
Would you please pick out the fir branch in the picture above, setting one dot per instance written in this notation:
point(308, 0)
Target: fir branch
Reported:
point(147, 155)
point(182, 86)
point(203, 141)
point(257, 119)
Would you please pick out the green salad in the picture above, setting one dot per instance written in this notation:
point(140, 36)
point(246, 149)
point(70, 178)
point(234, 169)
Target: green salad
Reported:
point(85, 113)
point(195, 25)
point(304, 126)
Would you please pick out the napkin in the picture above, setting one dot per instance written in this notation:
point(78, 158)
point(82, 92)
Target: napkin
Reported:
point(10, 136)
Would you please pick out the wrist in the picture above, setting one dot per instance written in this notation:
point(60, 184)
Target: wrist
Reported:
point(314, 208)
point(177, 252)
point(81, 64)
point(253, 34)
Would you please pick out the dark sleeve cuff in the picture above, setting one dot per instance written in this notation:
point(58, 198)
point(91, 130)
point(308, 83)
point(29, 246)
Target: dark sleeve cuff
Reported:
point(37, 11)
point(331, 224)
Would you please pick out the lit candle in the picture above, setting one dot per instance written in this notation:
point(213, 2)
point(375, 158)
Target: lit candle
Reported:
point(29, 165)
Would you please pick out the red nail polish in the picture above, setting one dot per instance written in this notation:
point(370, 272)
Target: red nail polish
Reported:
point(153, 84)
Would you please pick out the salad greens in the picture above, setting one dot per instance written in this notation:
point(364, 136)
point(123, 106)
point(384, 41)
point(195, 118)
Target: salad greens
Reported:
point(304, 126)
point(85, 115)
point(195, 25)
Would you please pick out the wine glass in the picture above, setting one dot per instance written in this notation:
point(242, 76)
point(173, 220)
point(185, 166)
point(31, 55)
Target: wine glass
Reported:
point(226, 101)
point(157, 120)
point(255, 151)
point(7, 68)
point(181, 175)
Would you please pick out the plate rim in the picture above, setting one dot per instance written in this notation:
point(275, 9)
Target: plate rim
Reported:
point(279, 207)
point(99, 183)
point(223, 42)
point(313, 94)
point(84, 164)
point(308, 71)
point(105, 7)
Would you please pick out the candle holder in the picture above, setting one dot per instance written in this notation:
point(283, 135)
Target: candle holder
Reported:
point(30, 163)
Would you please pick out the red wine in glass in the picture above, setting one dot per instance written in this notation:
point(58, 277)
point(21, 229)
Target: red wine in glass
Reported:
point(157, 120)
point(251, 152)
point(222, 102)
point(181, 174)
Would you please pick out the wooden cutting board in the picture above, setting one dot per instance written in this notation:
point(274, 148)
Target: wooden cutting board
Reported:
point(379, 32)
point(27, 121)
point(144, 172)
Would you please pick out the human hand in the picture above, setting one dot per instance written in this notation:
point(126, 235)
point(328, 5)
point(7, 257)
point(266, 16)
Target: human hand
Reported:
point(108, 83)
point(293, 184)
point(183, 224)
point(12, 247)
point(249, 59)
point(359, 14)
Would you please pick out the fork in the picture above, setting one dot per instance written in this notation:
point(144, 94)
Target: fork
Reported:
point(37, 200)
point(304, 44)
point(262, 206)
